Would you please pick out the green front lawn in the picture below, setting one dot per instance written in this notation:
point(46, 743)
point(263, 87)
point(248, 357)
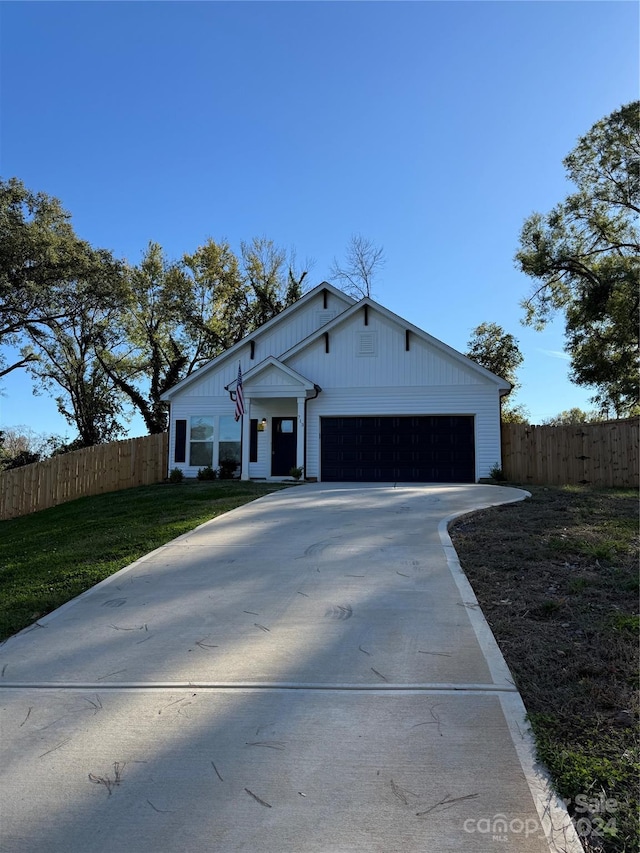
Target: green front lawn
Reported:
point(51, 556)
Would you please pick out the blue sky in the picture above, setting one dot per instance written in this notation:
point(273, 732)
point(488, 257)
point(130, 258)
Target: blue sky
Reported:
point(431, 128)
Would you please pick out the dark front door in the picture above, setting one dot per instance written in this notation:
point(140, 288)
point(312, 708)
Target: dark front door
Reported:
point(284, 443)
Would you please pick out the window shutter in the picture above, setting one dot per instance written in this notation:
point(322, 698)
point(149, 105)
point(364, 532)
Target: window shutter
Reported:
point(179, 454)
point(253, 441)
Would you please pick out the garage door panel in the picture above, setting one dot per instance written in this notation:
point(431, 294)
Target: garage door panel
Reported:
point(420, 448)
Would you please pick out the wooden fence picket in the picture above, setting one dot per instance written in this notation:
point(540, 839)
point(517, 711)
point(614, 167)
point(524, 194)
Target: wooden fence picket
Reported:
point(91, 471)
point(601, 454)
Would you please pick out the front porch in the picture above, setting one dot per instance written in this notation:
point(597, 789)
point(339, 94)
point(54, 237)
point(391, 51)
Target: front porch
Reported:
point(274, 422)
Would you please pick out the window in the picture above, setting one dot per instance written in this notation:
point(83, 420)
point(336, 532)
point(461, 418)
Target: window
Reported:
point(201, 442)
point(229, 438)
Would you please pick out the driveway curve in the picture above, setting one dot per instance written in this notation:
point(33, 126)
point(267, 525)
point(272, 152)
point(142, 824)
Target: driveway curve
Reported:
point(310, 672)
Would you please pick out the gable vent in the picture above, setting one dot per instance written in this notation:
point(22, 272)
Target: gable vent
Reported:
point(323, 317)
point(367, 343)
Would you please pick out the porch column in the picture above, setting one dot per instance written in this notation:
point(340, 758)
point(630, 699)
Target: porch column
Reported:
point(246, 439)
point(301, 433)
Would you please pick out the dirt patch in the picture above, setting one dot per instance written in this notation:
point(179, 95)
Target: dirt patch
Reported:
point(557, 579)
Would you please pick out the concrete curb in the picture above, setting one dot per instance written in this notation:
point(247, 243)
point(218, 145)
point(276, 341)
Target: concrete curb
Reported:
point(554, 818)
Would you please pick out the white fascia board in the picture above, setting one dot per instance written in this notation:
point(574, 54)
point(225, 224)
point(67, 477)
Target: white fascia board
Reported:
point(503, 385)
point(229, 353)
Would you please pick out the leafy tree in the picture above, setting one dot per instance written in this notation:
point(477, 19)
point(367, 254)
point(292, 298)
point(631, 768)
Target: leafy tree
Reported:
point(272, 283)
point(218, 313)
point(513, 413)
point(496, 350)
point(228, 297)
point(66, 362)
point(99, 333)
point(144, 352)
point(53, 287)
point(20, 445)
point(573, 416)
point(584, 257)
point(15, 453)
point(179, 315)
point(362, 263)
point(46, 272)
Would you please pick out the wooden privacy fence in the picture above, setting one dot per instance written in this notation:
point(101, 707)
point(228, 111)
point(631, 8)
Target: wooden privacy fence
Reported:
point(599, 454)
point(91, 471)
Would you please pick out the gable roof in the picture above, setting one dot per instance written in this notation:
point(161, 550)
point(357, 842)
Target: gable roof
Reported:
point(503, 385)
point(219, 360)
point(289, 375)
point(282, 380)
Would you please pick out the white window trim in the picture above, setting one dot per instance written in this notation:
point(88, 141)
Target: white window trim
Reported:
point(215, 461)
point(214, 419)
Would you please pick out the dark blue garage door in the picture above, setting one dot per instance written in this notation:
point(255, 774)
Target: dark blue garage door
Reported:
point(418, 449)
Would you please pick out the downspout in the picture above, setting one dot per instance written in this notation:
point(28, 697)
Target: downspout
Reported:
point(168, 458)
point(317, 389)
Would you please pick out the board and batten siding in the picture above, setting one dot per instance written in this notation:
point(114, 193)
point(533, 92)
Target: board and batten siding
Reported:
point(481, 401)
point(389, 363)
point(363, 370)
point(298, 326)
point(273, 342)
point(270, 377)
point(212, 382)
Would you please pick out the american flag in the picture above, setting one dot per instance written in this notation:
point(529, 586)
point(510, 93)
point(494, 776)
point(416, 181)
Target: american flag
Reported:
point(239, 395)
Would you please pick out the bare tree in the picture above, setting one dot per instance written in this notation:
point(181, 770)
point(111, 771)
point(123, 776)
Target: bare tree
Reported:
point(363, 260)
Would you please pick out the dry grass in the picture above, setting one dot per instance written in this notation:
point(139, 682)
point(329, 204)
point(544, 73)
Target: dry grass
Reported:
point(557, 579)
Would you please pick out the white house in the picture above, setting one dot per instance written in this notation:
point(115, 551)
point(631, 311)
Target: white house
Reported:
point(345, 390)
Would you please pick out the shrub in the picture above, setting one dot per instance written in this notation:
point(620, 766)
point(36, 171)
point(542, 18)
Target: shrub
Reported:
point(296, 473)
point(228, 469)
point(207, 473)
point(496, 473)
point(176, 475)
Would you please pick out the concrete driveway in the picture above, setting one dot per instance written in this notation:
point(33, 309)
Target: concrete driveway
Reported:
point(310, 672)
